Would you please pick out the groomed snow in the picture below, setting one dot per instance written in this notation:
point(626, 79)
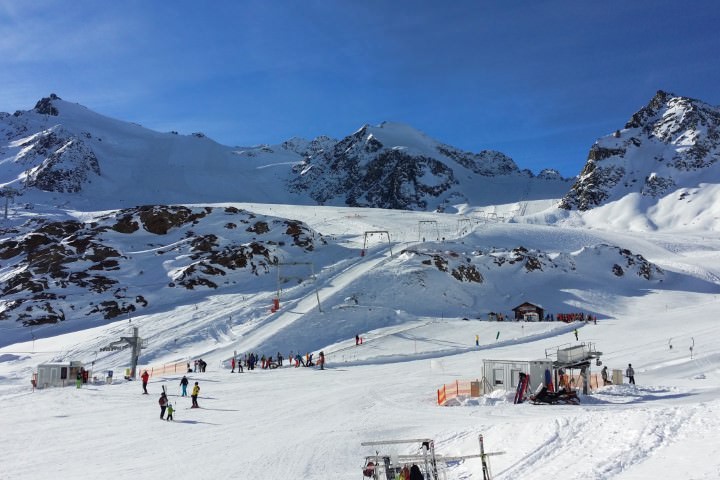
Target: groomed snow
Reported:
point(306, 423)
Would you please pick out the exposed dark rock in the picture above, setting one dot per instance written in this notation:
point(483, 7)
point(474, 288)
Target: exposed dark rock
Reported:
point(44, 106)
point(259, 228)
point(126, 224)
point(160, 219)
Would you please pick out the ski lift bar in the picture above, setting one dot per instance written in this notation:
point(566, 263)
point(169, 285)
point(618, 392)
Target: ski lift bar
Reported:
point(395, 442)
point(443, 458)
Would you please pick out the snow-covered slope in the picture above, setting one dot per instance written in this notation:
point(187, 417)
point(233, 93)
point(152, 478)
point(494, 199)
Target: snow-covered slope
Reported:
point(416, 310)
point(61, 147)
point(64, 154)
point(664, 157)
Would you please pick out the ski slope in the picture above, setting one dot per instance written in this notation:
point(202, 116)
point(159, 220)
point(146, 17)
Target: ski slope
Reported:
point(306, 423)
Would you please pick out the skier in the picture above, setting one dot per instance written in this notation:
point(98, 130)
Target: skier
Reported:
point(576, 334)
point(321, 362)
point(477, 340)
point(604, 375)
point(280, 359)
point(232, 364)
point(357, 340)
point(299, 361)
point(630, 373)
point(183, 384)
point(145, 377)
point(163, 401)
point(78, 380)
point(194, 396)
point(170, 411)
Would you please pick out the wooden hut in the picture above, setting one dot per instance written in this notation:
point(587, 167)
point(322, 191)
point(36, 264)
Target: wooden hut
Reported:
point(529, 311)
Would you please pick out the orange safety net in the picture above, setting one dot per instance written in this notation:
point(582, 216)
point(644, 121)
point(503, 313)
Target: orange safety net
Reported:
point(179, 367)
point(453, 390)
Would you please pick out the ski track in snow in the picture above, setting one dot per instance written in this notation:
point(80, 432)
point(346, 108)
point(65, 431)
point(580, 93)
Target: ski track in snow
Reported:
point(574, 438)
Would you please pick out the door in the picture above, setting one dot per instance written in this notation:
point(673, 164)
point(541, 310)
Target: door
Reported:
point(515, 376)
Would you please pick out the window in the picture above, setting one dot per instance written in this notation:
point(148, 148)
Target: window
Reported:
point(63, 373)
point(498, 376)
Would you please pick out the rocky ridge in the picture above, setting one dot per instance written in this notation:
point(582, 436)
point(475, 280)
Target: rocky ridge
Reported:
point(132, 259)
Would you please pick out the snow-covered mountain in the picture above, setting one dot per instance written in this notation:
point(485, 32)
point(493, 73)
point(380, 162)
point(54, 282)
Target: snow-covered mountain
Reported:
point(63, 153)
point(668, 150)
point(81, 264)
point(395, 166)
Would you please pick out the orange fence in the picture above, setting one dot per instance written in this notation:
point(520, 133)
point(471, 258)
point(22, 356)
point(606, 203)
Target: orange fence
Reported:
point(456, 389)
point(179, 367)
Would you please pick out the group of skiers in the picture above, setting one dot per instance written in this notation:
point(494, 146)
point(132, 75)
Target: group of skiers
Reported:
point(251, 361)
point(200, 366)
point(165, 405)
point(571, 317)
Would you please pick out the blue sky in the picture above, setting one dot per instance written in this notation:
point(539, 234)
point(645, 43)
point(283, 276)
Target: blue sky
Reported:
point(537, 80)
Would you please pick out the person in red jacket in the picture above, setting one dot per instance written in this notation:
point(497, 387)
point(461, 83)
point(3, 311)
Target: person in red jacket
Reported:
point(145, 377)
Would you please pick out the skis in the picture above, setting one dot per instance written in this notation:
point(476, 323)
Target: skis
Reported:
point(522, 388)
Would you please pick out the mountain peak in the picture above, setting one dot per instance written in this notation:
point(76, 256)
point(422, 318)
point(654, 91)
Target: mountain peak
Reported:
point(671, 143)
point(45, 105)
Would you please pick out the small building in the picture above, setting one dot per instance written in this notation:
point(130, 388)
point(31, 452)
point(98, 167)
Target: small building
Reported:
point(529, 311)
point(505, 374)
point(59, 374)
